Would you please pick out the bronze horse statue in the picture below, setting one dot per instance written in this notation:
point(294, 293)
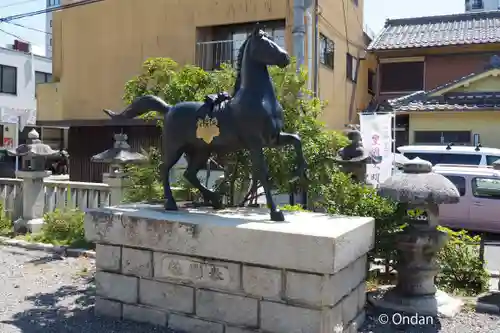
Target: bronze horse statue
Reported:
point(251, 119)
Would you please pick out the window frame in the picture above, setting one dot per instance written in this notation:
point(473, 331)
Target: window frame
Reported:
point(2, 91)
point(460, 190)
point(47, 77)
point(474, 187)
point(325, 53)
point(442, 137)
point(351, 67)
point(372, 76)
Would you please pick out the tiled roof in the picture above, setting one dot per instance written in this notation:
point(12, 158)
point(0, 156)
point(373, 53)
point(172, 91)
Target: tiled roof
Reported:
point(420, 101)
point(433, 31)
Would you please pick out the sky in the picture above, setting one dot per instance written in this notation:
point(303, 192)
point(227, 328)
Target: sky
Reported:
point(375, 14)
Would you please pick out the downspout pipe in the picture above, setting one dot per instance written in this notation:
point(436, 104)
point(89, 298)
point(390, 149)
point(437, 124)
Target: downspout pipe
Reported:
point(299, 31)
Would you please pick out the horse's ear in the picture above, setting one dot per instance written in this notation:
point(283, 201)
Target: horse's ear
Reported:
point(256, 30)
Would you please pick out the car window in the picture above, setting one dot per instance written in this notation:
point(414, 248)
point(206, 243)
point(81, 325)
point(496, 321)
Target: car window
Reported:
point(486, 188)
point(459, 182)
point(430, 157)
point(490, 159)
point(434, 158)
point(467, 159)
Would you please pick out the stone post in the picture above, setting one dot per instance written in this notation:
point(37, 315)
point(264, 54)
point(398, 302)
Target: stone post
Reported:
point(33, 200)
point(117, 184)
point(420, 192)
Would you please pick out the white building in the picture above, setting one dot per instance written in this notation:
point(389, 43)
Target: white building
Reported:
point(481, 5)
point(48, 27)
point(19, 73)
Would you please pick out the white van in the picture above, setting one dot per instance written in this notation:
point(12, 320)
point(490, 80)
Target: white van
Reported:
point(451, 154)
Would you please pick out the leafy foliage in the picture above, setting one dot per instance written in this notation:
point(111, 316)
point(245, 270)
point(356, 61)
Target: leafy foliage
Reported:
point(144, 183)
point(6, 226)
point(462, 271)
point(63, 227)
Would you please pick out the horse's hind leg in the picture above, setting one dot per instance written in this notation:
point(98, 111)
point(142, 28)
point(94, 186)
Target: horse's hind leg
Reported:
point(197, 160)
point(259, 166)
point(170, 158)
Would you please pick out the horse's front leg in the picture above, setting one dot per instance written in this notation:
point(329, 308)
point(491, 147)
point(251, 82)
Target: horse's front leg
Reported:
point(260, 170)
point(285, 139)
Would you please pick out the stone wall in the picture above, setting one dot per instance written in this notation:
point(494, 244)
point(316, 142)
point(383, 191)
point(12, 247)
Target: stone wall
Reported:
point(313, 286)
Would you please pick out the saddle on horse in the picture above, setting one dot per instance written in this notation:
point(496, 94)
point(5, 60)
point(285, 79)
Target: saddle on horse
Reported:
point(213, 100)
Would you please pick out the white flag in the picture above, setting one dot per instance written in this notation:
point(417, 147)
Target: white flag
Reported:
point(376, 132)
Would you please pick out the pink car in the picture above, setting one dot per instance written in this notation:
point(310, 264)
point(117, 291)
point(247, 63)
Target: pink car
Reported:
point(478, 209)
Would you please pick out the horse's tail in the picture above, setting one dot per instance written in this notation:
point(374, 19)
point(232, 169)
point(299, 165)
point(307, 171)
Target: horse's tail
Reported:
point(140, 106)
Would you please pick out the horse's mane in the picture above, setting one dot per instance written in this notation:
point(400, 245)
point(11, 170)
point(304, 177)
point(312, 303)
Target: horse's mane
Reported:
point(239, 62)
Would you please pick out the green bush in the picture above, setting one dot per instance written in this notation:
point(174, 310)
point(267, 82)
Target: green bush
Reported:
point(462, 271)
point(6, 226)
point(63, 227)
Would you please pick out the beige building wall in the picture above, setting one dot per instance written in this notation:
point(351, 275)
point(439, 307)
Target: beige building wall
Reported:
point(484, 123)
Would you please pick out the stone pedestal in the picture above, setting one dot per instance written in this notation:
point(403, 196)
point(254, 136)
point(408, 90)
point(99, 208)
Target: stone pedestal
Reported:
point(33, 200)
point(117, 184)
point(230, 271)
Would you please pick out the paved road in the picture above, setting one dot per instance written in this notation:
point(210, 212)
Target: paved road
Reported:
point(42, 293)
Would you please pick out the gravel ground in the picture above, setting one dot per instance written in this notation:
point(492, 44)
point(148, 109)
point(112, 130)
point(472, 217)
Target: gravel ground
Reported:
point(466, 322)
point(40, 292)
point(44, 293)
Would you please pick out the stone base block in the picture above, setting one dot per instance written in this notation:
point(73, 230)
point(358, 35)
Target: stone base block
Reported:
point(441, 304)
point(33, 226)
point(232, 272)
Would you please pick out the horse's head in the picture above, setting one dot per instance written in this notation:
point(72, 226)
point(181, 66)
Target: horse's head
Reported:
point(264, 50)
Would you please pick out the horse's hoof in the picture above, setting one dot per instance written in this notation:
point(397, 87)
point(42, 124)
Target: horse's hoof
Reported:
point(217, 205)
point(277, 216)
point(170, 205)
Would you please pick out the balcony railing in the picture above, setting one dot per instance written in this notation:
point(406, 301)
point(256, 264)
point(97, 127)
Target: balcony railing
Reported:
point(212, 54)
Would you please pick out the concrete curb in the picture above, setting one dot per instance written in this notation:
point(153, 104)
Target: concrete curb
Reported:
point(49, 248)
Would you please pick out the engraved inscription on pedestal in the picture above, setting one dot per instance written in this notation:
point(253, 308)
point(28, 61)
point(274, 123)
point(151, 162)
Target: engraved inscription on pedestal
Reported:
point(216, 274)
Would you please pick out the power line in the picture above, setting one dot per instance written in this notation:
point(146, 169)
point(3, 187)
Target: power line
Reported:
point(29, 28)
point(13, 35)
point(48, 10)
point(17, 3)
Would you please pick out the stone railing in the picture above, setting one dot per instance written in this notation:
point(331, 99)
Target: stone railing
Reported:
point(11, 196)
point(57, 194)
point(62, 194)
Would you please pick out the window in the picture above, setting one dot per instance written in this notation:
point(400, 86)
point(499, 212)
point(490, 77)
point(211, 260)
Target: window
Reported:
point(238, 36)
point(486, 188)
point(442, 137)
point(477, 4)
point(459, 182)
point(490, 159)
point(443, 158)
point(327, 51)
point(351, 67)
point(371, 82)
point(41, 77)
point(8, 80)
point(50, 23)
point(402, 77)
point(355, 2)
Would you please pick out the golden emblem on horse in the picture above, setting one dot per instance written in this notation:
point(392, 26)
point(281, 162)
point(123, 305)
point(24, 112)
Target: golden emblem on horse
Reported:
point(207, 129)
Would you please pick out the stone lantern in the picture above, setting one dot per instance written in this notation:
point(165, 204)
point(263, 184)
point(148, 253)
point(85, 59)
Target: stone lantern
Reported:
point(353, 158)
point(117, 157)
point(33, 156)
point(420, 191)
